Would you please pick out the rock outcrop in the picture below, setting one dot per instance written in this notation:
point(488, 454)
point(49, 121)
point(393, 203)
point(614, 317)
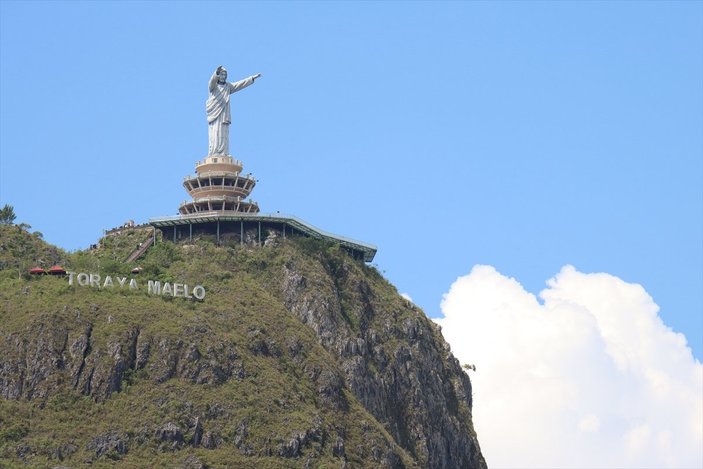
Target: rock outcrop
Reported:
point(393, 359)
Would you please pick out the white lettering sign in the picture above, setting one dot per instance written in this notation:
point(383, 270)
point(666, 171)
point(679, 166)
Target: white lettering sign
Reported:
point(199, 292)
point(83, 279)
point(153, 287)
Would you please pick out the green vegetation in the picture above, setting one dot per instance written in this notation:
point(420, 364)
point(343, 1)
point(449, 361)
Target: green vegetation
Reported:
point(270, 398)
point(7, 215)
point(252, 376)
point(21, 250)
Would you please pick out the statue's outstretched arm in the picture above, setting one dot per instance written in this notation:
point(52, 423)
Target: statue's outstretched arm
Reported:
point(241, 84)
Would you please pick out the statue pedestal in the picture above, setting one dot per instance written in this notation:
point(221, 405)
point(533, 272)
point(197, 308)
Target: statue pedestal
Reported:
point(218, 163)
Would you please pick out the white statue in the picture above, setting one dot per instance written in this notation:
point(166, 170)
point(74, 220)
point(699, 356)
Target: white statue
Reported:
point(217, 107)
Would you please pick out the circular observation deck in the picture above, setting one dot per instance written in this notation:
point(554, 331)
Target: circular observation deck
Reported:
point(218, 204)
point(219, 183)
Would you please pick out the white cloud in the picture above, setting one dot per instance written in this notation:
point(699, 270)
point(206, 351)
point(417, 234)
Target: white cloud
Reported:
point(590, 377)
point(407, 297)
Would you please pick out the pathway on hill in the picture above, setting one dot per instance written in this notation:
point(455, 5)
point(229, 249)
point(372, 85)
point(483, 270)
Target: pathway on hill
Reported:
point(141, 249)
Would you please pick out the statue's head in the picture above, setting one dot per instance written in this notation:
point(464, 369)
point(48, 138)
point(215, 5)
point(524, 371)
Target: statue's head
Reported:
point(222, 75)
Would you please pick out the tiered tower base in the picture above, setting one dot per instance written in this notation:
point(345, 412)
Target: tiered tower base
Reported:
point(218, 186)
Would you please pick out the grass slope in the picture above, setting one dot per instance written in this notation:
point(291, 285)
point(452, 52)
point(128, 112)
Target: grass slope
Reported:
point(273, 396)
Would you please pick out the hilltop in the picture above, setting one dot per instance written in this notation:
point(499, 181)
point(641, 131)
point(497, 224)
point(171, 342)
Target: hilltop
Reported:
point(299, 356)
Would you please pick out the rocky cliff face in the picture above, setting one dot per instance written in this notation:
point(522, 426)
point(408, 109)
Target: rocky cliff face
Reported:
point(393, 359)
point(298, 357)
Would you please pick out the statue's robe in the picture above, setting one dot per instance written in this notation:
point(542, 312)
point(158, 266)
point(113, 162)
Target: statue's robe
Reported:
point(218, 113)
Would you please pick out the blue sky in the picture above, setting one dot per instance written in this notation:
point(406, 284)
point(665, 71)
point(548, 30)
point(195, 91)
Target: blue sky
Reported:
point(522, 135)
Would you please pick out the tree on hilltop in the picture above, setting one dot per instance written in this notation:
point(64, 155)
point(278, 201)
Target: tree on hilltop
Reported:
point(7, 215)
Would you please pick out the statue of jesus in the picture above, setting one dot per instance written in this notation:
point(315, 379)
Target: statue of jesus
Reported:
point(218, 112)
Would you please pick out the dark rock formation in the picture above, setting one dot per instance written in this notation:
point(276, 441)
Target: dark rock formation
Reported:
point(415, 386)
point(110, 443)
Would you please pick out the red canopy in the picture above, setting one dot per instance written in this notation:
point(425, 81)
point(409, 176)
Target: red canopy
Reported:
point(57, 270)
point(36, 271)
